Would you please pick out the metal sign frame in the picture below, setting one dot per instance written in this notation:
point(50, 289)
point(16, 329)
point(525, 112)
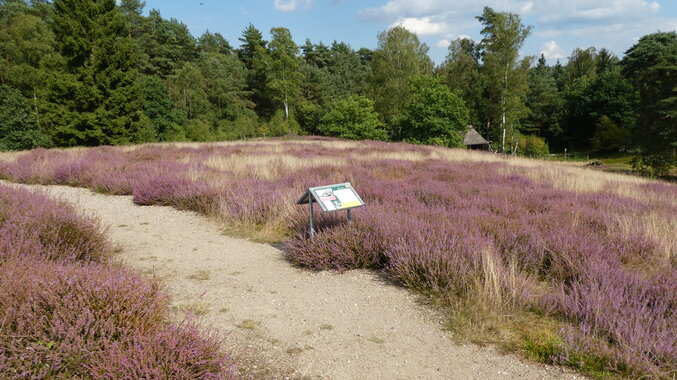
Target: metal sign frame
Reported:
point(329, 201)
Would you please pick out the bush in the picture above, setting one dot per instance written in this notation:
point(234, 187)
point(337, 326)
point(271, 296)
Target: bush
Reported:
point(279, 125)
point(532, 146)
point(433, 115)
point(77, 321)
point(63, 314)
point(31, 225)
point(609, 137)
point(352, 118)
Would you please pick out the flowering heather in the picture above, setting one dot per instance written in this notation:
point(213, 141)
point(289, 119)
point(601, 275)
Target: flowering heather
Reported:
point(64, 314)
point(595, 252)
point(33, 225)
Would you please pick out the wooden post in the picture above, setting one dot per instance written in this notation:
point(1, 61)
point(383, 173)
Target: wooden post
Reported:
point(350, 215)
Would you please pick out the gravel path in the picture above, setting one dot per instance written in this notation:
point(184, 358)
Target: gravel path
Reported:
point(286, 322)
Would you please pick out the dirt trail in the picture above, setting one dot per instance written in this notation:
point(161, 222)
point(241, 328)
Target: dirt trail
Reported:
point(286, 322)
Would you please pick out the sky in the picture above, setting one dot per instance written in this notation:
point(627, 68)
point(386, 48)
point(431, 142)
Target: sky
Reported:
point(558, 26)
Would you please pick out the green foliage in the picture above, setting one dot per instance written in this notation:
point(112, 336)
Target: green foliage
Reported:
point(254, 55)
point(587, 100)
point(399, 56)
point(652, 65)
point(164, 45)
point(284, 77)
point(609, 137)
point(168, 122)
point(25, 42)
point(199, 129)
point(582, 64)
point(188, 89)
point(95, 85)
point(434, 114)
point(606, 61)
point(544, 103)
point(352, 118)
point(532, 146)
point(18, 122)
point(461, 70)
point(308, 114)
point(281, 125)
point(330, 73)
point(505, 76)
point(214, 43)
point(225, 81)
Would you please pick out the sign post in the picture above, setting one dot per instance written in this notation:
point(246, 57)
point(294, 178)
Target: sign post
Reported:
point(331, 198)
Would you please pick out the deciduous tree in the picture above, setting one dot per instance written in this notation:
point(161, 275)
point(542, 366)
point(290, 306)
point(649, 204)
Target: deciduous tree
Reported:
point(505, 74)
point(399, 56)
point(434, 114)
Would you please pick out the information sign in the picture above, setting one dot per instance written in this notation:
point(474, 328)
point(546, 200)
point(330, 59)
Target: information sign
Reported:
point(331, 198)
point(336, 197)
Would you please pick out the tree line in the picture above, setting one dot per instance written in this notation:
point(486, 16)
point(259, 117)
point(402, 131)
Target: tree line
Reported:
point(93, 72)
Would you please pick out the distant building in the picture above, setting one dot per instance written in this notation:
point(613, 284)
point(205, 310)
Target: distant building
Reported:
point(474, 140)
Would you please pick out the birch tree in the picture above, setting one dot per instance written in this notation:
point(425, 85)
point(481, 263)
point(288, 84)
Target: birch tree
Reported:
point(284, 77)
point(504, 73)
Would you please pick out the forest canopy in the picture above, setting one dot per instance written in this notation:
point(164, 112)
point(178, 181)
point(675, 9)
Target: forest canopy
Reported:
point(94, 72)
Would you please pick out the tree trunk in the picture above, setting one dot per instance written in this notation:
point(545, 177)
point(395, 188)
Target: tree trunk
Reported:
point(286, 108)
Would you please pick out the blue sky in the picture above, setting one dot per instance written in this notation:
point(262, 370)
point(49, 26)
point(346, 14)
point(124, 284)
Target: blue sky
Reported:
point(559, 26)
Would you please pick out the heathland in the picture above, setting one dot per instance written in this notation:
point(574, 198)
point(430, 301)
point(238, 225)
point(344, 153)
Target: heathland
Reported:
point(67, 311)
point(568, 265)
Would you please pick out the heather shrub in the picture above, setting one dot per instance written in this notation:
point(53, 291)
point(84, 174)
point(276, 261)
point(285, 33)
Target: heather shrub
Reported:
point(72, 320)
point(32, 225)
point(63, 314)
point(502, 237)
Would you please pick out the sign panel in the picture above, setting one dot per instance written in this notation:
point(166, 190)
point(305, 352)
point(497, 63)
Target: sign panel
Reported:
point(336, 197)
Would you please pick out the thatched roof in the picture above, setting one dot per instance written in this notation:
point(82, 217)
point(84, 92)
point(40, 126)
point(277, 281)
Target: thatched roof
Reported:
point(473, 138)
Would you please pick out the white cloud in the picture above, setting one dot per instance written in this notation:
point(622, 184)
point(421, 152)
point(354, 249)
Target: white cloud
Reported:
point(395, 9)
point(546, 11)
point(421, 26)
point(614, 24)
point(290, 5)
point(556, 11)
point(443, 43)
point(551, 50)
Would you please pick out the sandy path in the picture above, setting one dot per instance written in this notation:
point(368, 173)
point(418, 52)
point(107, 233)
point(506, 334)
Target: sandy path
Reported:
point(288, 322)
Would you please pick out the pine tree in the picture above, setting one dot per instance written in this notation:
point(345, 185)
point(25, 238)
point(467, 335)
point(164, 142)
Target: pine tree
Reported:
point(652, 65)
point(543, 102)
point(95, 87)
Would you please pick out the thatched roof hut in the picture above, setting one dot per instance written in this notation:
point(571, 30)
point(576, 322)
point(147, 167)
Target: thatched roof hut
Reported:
point(474, 140)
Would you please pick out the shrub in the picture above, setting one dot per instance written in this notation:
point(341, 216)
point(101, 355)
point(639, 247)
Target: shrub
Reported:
point(532, 146)
point(609, 137)
point(495, 234)
point(71, 320)
point(352, 118)
point(66, 315)
point(31, 225)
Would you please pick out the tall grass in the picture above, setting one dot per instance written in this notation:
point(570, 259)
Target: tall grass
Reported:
point(66, 313)
point(587, 257)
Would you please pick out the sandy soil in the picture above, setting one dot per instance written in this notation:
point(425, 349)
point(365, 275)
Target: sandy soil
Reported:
point(281, 321)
